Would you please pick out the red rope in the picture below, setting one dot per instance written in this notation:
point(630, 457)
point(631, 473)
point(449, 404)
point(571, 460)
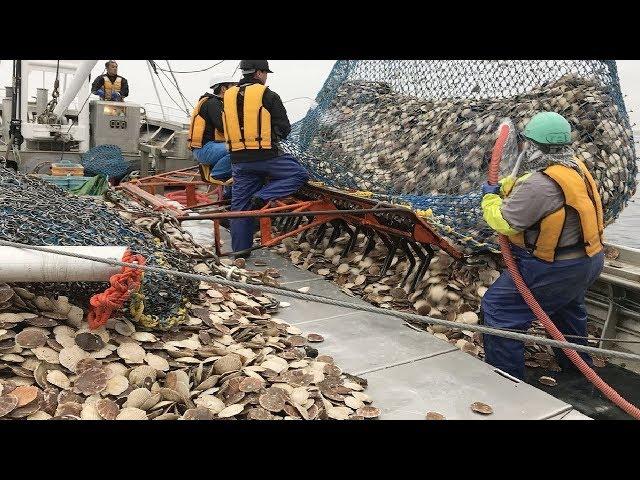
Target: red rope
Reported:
point(102, 305)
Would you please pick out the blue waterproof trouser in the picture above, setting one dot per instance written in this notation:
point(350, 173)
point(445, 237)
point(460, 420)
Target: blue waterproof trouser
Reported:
point(558, 286)
point(215, 154)
point(266, 179)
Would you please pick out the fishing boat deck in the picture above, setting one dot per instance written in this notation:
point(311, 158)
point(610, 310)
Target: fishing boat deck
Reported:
point(409, 372)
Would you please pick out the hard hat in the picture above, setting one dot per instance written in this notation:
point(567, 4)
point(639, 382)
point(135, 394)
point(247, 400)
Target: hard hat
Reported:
point(250, 66)
point(221, 78)
point(548, 128)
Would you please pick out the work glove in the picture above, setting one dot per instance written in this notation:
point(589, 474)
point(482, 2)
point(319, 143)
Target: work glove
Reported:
point(486, 189)
point(100, 93)
point(506, 184)
point(116, 97)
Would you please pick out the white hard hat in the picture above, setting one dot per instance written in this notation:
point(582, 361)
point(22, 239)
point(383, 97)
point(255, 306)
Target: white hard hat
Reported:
point(221, 78)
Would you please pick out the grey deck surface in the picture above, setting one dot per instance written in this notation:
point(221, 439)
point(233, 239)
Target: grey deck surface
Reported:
point(409, 372)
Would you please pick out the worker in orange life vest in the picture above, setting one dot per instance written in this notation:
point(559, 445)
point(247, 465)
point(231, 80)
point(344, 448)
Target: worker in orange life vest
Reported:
point(553, 217)
point(111, 86)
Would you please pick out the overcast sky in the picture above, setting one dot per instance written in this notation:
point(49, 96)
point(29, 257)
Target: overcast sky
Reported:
point(291, 79)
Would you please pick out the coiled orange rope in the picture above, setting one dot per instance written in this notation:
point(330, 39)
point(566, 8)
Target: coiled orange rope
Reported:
point(123, 284)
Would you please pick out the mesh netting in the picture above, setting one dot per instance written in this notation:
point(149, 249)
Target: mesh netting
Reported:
point(106, 160)
point(421, 132)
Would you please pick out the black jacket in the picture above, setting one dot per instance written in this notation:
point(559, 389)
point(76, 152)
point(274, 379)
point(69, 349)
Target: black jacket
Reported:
point(99, 83)
point(211, 111)
point(280, 127)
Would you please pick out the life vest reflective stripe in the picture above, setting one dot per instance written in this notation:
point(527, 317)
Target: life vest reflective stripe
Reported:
point(110, 87)
point(582, 196)
point(198, 126)
point(254, 132)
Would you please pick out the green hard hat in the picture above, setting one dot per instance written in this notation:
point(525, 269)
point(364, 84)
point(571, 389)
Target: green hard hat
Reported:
point(548, 128)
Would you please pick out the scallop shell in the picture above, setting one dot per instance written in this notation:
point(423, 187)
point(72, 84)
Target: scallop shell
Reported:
point(8, 403)
point(59, 379)
point(70, 356)
point(89, 342)
point(209, 401)
point(228, 363)
point(31, 338)
point(46, 354)
point(90, 412)
point(131, 352)
point(339, 413)
point(25, 394)
point(131, 414)
point(231, 411)
point(482, 408)
point(549, 381)
point(368, 412)
point(116, 385)
point(157, 362)
point(107, 409)
point(435, 416)
point(91, 381)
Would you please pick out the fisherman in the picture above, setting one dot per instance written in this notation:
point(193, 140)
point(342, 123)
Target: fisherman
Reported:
point(206, 134)
point(255, 120)
point(111, 86)
point(553, 217)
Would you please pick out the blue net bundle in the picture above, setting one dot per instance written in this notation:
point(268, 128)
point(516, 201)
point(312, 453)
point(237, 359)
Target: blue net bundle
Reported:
point(420, 133)
point(106, 160)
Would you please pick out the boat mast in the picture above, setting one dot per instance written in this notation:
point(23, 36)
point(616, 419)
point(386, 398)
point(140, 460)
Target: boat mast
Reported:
point(15, 133)
point(155, 87)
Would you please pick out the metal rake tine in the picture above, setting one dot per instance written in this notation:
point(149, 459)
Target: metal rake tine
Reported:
point(277, 222)
point(353, 240)
point(412, 261)
point(425, 260)
point(303, 237)
point(392, 248)
point(371, 243)
point(297, 222)
point(320, 235)
point(337, 228)
point(288, 224)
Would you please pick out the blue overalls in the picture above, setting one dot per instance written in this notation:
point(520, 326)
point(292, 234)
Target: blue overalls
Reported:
point(266, 179)
point(558, 286)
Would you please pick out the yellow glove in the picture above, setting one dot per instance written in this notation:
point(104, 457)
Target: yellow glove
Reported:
point(506, 184)
point(491, 212)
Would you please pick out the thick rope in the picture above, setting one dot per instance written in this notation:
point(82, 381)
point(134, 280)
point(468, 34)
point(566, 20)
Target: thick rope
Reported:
point(424, 320)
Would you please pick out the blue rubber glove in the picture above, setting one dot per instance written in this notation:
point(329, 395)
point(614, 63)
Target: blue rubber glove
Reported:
point(100, 92)
point(486, 188)
point(116, 97)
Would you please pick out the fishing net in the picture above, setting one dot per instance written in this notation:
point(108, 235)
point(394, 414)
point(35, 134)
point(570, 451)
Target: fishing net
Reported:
point(420, 133)
point(36, 212)
point(106, 160)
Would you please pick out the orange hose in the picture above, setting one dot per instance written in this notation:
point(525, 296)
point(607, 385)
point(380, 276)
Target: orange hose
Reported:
point(535, 307)
point(102, 305)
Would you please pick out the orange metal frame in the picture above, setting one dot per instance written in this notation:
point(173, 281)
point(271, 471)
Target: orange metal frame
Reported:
point(187, 178)
point(378, 216)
